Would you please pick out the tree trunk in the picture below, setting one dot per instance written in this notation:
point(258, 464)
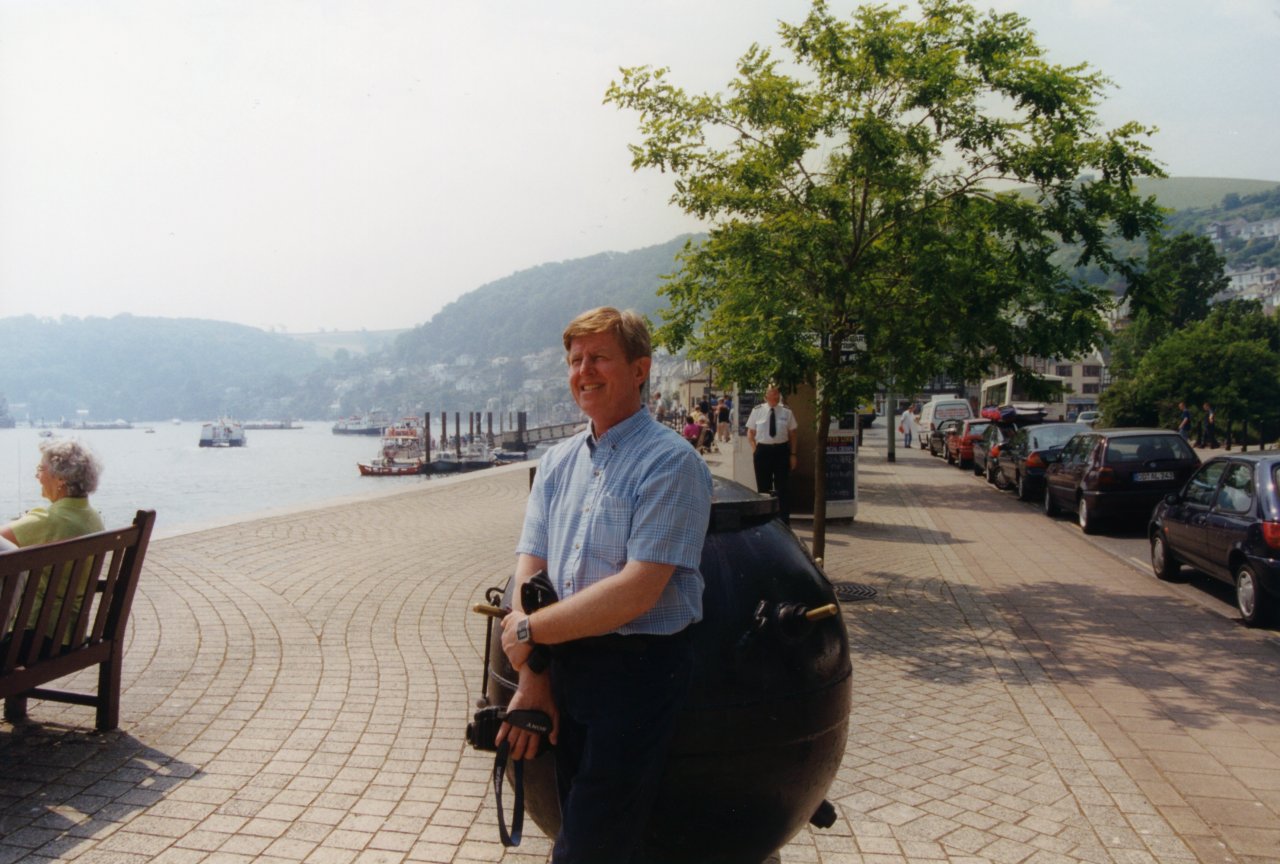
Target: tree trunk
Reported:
point(819, 549)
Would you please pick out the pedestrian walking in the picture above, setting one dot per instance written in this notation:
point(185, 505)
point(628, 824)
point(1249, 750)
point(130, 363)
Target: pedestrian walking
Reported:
point(1208, 428)
point(907, 426)
point(1184, 421)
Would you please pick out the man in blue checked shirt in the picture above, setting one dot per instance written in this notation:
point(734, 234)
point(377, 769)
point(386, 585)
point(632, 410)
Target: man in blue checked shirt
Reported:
point(617, 517)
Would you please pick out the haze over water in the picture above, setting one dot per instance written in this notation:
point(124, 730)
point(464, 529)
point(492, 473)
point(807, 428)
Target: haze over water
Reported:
point(190, 486)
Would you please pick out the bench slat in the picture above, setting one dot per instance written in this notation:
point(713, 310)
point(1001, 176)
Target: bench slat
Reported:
point(30, 657)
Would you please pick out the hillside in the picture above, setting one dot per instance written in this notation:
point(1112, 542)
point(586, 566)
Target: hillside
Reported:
point(524, 313)
point(148, 368)
point(1202, 193)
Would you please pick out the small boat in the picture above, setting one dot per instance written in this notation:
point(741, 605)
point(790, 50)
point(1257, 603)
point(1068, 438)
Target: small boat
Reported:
point(223, 433)
point(147, 430)
point(401, 451)
point(473, 456)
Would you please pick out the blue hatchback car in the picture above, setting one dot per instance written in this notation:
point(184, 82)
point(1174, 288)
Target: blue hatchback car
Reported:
point(1226, 522)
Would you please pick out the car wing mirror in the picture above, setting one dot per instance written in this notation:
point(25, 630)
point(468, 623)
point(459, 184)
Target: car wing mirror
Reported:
point(1172, 498)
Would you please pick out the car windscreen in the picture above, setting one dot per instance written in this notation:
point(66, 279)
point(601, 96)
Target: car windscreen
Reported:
point(1045, 437)
point(1146, 448)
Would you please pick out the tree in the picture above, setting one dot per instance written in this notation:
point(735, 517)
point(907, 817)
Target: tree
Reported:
point(1182, 276)
point(1230, 359)
point(858, 230)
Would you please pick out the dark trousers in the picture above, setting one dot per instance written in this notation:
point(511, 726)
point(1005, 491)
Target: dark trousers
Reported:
point(619, 698)
point(773, 473)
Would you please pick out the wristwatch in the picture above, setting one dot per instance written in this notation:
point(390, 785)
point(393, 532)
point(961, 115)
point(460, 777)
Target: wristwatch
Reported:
point(523, 633)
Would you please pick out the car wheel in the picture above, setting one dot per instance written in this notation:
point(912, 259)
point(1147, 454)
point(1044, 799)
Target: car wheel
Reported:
point(1050, 506)
point(951, 460)
point(1250, 599)
point(977, 469)
point(1024, 491)
point(1162, 561)
point(991, 473)
point(1086, 517)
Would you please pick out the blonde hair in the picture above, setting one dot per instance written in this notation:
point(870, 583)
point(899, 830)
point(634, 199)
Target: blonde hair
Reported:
point(627, 325)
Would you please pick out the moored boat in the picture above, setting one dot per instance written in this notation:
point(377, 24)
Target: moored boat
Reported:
point(401, 452)
point(371, 423)
point(222, 433)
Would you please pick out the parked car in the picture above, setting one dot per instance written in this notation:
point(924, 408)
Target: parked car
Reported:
point(1107, 474)
point(960, 441)
point(1021, 461)
point(1226, 523)
point(1089, 418)
point(938, 437)
point(994, 435)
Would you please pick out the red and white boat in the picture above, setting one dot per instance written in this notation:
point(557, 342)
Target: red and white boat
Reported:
point(401, 451)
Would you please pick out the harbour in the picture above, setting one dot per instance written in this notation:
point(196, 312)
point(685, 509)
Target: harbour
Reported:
point(193, 487)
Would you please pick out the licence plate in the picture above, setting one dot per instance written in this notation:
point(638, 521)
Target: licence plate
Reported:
point(1142, 476)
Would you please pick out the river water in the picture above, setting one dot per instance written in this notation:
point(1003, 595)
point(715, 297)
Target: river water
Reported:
point(190, 486)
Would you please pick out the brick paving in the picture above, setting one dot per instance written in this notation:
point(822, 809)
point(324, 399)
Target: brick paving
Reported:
point(297, 685)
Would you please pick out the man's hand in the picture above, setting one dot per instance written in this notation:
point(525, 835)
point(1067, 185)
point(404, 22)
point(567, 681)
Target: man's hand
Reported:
point(534, 692)
point(517, 652)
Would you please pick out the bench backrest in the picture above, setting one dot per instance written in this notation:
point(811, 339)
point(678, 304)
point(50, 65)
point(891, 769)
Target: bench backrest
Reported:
point(84, 599)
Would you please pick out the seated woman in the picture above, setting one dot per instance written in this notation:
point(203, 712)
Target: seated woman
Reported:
point(692, 431)
point(68, 472)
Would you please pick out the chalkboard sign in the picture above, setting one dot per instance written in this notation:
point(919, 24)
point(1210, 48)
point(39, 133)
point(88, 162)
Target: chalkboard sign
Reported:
point(747, 399)
point(840, 458)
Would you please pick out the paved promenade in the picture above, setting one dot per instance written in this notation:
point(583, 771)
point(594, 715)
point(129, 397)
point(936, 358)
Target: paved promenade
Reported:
point(296, 690)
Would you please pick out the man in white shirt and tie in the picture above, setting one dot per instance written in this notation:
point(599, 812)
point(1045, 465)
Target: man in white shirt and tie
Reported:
point(771, 431)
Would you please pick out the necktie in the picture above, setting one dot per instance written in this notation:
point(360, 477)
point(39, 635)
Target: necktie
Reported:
point(773, 424)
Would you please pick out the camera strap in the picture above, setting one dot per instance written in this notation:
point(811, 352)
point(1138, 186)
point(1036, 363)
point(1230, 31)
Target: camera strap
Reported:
point(533, 721)
point(517, 807)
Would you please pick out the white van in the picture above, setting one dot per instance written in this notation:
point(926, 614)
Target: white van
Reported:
point(941, 408)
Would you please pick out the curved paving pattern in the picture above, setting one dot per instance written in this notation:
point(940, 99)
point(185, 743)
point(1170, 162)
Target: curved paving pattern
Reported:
point(297, 686)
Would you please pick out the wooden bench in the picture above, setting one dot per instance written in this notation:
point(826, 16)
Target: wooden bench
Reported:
point(101, 570)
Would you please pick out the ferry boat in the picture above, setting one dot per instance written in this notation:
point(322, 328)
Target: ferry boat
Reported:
point(371, 423)
point(474, 456)
point(223, 433)
point(401, 451)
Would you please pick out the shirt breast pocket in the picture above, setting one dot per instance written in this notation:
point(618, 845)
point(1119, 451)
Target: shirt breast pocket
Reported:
point(610, 530)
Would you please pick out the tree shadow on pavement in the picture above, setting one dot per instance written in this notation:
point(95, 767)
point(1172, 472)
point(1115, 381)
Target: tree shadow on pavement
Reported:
point(1181, 662)
point(61, 786)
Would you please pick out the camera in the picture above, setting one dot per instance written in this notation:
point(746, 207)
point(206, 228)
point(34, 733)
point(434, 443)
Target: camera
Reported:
point(483, 727)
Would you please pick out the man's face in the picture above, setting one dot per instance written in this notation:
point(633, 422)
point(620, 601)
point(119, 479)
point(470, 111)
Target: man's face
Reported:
point(772, 396)
point(603, 382)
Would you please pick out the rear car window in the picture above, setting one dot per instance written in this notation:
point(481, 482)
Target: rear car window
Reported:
point(978, 428)
point(1051, 436)
point(1145, 448)
point(1236, 494)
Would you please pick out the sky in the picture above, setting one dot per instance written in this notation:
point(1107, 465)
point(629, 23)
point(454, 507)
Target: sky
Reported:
point(358, 164)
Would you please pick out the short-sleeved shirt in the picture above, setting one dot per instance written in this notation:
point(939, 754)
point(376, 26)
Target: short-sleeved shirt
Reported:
point(637, 493)
point(62, 520)
point(784, 422)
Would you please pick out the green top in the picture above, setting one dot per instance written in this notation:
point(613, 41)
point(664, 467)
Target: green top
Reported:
point(62, 520)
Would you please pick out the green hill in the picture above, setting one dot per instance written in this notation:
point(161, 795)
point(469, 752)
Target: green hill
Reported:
point(1182, 193)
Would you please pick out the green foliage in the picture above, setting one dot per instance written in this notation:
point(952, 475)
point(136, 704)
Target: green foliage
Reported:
point(1230, 359)
point(1182, 275)
point(856, 235)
